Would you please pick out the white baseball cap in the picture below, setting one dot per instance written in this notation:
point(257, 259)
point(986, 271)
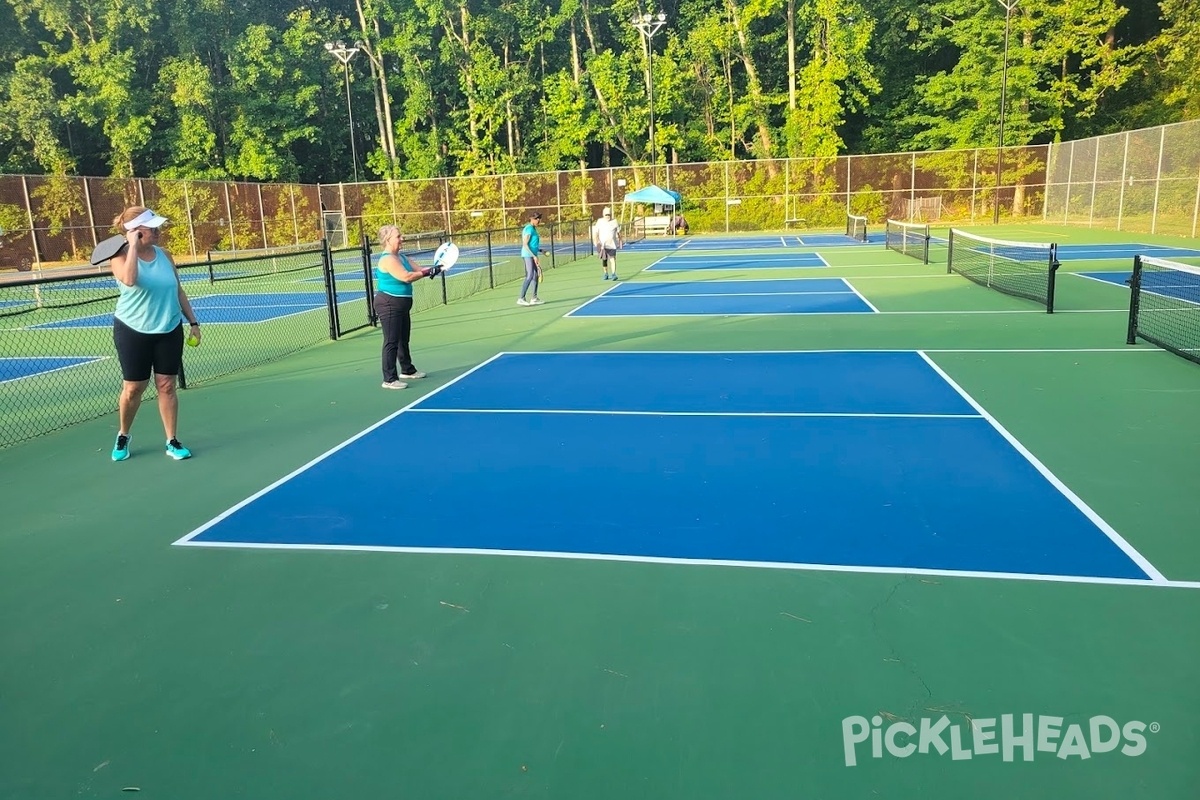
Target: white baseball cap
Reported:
point(607, 212)
point(146, 219)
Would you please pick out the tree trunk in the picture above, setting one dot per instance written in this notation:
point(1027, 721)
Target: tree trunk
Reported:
point(577, 79)
point(754, 90)
point(791, 46)
point(601, 101)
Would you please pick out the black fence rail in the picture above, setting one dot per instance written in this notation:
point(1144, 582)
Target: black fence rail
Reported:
point(57, 362)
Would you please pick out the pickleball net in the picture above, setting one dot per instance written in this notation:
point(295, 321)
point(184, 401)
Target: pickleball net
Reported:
point(907, 238)
point(1164, 305)
point(1020, 269)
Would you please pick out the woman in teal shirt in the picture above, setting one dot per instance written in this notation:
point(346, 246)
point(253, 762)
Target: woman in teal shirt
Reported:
point(531, 243)
point(394, 276)
point(147, 331)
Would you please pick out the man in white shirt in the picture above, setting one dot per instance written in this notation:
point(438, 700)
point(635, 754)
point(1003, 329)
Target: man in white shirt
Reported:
point(606, 237)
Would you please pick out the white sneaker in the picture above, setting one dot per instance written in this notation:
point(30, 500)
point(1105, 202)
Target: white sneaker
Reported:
point(395, 385)
point(521, 301)
point(537, 301)
point(412, 376)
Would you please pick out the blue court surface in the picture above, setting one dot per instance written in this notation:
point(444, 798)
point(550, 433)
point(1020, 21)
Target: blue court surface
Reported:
point(681, 262)
point(858, 461)
point(225, 309)
point(1091, 252)
point(1184, 287)
point(746, 297)
point(15, 368)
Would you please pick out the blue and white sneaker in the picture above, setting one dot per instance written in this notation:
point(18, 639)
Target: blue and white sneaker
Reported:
point(121, 448)
point(177, 451)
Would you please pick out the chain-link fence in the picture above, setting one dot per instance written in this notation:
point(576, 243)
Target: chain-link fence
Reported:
point(1146, 180)
point(57, 361)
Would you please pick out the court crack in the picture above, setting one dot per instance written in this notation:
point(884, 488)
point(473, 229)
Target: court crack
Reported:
point(879, 634)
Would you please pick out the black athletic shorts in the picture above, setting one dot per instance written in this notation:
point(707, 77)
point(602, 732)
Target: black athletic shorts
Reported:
point(140, 352)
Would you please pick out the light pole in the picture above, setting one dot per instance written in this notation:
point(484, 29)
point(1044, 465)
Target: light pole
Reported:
point(648, 25)
point(1008, 9)
point(344, 54)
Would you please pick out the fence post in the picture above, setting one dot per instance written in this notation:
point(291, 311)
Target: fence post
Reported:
point(1196, 207)
point(1121, 200)
point(37, 258)
point(369, 283)
point(295, 221)
point(262, 217)
point(87, 198)
point(330, 297)
point(1162, 139)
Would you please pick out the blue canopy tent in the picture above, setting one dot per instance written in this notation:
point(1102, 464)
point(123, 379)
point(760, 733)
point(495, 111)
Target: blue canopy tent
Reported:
point(659, 197)
point(653, 194)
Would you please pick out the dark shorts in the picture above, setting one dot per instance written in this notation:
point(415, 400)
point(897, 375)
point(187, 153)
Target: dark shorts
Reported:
point(139, 353)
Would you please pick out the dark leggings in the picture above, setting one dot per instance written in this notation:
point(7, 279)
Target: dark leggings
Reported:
point(395, 317)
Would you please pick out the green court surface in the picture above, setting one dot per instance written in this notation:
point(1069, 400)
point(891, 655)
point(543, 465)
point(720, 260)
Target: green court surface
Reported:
point(189, 673)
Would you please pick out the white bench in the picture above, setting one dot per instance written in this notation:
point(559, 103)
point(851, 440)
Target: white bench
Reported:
point(659, 224)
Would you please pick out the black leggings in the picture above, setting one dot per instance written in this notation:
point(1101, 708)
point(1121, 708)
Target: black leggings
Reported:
point(395, 317)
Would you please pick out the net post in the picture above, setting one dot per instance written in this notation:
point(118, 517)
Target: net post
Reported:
point(925, 248)
point(1135, 290)
point(950, 254)
point(491, 268)
point(1053, 267)
point(182, 375)
point(212, 276)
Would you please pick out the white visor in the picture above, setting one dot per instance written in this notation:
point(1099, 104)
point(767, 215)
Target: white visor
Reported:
point(146, 219)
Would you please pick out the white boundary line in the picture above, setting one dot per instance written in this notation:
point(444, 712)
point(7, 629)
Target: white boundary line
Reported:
point(186, 539)
point(613, 288)
point(877, 313)
point(1095, 518)
point(718, 281)
point(612, 413)
point(709, 562)
point(1100, 281)
point(640, 296)
point(678, 314)
point(870, 305)
point(1126, 349)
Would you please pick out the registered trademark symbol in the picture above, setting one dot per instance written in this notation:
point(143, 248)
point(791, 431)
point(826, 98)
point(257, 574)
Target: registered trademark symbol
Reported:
point(1155, 727)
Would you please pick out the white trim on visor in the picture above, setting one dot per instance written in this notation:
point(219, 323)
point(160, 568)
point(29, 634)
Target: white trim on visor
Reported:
point(146, 219)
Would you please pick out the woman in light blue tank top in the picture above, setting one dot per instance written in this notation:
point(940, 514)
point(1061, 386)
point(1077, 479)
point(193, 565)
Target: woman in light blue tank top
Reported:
point(147, 326)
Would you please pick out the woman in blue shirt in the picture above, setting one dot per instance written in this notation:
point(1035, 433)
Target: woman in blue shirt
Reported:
point(394, 276)
point(147, 331)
